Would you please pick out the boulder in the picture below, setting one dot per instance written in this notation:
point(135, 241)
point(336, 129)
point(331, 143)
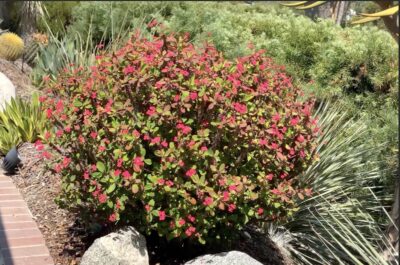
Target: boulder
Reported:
point(224, 258)
point(7, 90)
point(124, 247)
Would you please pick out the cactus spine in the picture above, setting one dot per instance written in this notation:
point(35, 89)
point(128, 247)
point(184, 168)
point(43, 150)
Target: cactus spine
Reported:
point(11, 46)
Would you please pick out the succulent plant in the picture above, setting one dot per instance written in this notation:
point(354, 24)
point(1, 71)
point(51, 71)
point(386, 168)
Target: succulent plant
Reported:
point(11, 46)
point(30, 52)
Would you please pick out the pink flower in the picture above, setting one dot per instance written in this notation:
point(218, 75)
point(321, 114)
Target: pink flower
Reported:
point(274, 146)
point(191, 218)
point(185, 129)
point(117, 172)
point(231, 207)
point(262, 142)
point(119, 162)
point(226, 196)
point(275, 191)
point(181, 222)
point(190, 172)
point(156, 140)
point(102, 148)
point(102, 198)
point(161, 215)
point(59, 133)
point(93, 135)
point(270, 177)
point(129, 69)
point(181, 163)
point(260, 211)
point(126, 175)
point(208, 201)
point(112, 218)
point(49, 113)
point(161, 181)
point(147, 208)
point(136, 133)
point(232, 188)
point(46, 155)
point(86, 175)
point(294, 121)
point(138, 163)
point(203, 148)
point(66, 161)
point(193, 95)
point(241, 108)
point(300, 138)
point(93, 167)
point(169, 183)
point(189, 232)
point(151, 111)
point(164, 143)
point(276, 117)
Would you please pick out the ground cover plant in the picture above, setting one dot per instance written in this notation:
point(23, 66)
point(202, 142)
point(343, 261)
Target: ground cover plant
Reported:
point(180, 139)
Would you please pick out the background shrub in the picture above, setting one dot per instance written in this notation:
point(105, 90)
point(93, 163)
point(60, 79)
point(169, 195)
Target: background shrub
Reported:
point(179, 139)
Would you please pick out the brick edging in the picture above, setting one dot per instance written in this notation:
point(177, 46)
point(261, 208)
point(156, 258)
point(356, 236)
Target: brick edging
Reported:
point(21, 241)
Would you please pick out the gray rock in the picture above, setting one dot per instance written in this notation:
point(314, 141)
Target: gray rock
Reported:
point(224, 258)
point(7, 90)
point(124, 247)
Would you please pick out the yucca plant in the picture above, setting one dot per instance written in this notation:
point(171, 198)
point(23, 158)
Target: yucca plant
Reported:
point(341, 181)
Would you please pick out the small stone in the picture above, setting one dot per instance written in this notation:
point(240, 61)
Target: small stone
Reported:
point(124, 247)
point(7, 90)
point(224, 258)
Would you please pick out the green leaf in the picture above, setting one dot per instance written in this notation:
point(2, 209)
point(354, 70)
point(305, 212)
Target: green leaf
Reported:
point(100, 166)
point(111, 188)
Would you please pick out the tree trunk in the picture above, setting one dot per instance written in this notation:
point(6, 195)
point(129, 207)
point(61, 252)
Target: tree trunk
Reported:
point(391, 22)
point(30, 12)
point(5, 11)
point(340, 9)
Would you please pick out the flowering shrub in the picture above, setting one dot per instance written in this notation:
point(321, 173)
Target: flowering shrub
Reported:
point(180, 140)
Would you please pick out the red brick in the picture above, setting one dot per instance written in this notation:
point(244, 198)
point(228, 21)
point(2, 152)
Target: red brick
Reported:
point(6, 184)
point(20, 233)
point(15, 218)
point(13, 210)
point(20, 252)
point(18, 225)
point(19, 203)
point(9, 191)
point(40, 260)
point(10, 197)
point(20, 242)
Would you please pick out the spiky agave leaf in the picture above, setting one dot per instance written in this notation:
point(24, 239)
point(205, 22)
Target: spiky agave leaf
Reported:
point(365, 20)
point(299, 3)
point(315, 4)
point(387, 12)
point(342, 177)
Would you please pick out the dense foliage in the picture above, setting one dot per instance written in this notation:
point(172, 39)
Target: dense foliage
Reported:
point(179, 139)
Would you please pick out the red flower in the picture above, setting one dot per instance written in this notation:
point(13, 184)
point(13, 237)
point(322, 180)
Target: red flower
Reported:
point(300, 138)
point(112, 218)
point(117, 172)
point(193, 95)
point(232, 187)
point(241, 108)
point(190, 231)
point(276, 117)
point(226, 196)
point(46, 155)
point(169, 183)
point(102, 198)
point(129, 69)
point(161, 215)
point(49, 112)
point(126, 175)
point(231, 207)
point(161, 181)
point(294, 121)
point(93, 135)
point(164, 143)
point(181, 222)
point(260, 211)
point(262, 142)
point(191, 218)
point(138, 163)
point(151, 111)
point(66, 161)
point(156, 140)
point(208, 201)
point(190, 172)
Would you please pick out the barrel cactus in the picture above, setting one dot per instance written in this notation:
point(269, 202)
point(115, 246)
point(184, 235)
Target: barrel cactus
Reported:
point(11, 46)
